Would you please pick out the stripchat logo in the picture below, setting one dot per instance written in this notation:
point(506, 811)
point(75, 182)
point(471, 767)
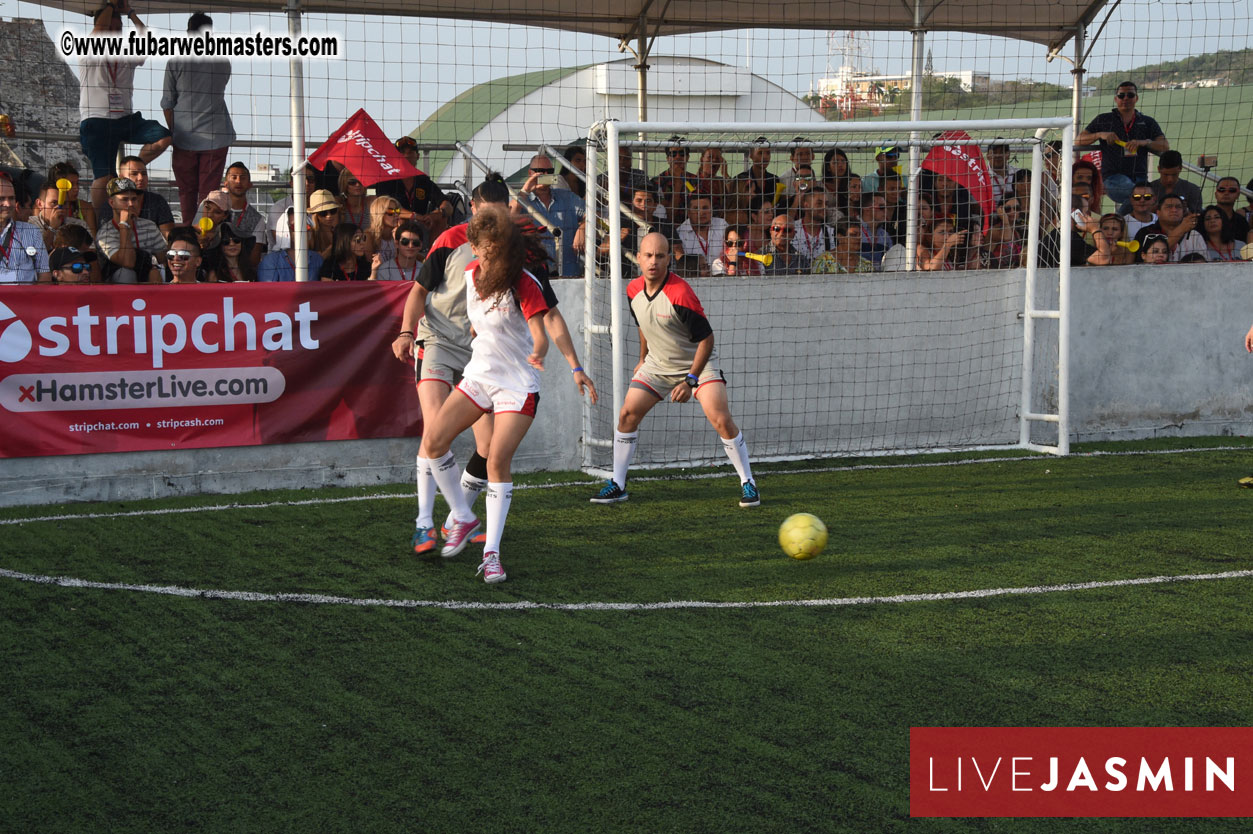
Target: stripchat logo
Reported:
point(15, 340)
point(157, 335)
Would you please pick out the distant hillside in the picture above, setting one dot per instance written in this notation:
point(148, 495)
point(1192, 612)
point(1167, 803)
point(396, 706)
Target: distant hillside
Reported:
point(1227, 67)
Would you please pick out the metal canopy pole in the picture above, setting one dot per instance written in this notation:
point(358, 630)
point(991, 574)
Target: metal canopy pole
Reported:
point(1076, 106)
point(300, 242)
point(915, 153)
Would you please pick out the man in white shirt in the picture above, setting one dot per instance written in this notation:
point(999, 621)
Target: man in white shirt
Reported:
point(23, 256)
point(701, 234)
point(106, 108)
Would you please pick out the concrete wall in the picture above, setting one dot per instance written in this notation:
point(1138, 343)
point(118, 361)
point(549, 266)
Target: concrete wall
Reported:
point(1156, 352)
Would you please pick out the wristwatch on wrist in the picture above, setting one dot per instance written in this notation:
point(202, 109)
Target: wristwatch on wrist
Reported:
point(692, 380)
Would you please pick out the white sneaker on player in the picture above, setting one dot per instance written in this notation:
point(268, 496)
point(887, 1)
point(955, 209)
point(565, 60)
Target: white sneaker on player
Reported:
point(491, 569)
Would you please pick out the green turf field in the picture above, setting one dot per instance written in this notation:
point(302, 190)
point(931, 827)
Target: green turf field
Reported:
point(131, 710)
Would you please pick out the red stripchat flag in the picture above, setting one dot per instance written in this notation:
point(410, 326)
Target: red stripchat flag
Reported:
point(362, 147)
point(965, 165)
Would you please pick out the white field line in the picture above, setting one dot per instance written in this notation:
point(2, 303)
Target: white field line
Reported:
point(671, 605)
point(697, 476)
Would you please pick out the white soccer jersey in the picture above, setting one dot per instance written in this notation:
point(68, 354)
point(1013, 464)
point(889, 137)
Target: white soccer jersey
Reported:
point(502, 339)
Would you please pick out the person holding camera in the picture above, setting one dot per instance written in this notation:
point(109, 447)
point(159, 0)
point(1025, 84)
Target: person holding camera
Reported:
point(563, 208)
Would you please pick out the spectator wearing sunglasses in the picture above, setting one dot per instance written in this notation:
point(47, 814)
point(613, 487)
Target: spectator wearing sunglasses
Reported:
point(183, 261)
point(280, 265)
point(418, 195)
point(733, 260)
point(675, 185)
point(348, 260)
point(1126, 136)
point(561, 207)
point(69, 265)
point(1169, 168)
point(231, 261)
point(355, 204)
point(1143, 211)
point(1226, 192)
point(784, 260)
point(324, 217)
point(405, 264)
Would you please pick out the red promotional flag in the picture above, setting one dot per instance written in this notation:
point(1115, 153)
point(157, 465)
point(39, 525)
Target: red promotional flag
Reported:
point(965, 165)
point(1094, 158)
point(362, 147)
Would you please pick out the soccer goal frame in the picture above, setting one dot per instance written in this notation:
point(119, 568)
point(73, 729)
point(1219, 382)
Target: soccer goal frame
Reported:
point(1040, 301)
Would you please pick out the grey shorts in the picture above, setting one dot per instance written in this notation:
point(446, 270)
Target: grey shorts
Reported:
point(661, 384)
point(443, 363)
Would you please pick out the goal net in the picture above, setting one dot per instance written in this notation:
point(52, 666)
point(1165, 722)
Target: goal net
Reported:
point(846, 363)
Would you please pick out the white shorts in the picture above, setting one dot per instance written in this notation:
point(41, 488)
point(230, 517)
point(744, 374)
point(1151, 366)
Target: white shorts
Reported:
point(492, 399)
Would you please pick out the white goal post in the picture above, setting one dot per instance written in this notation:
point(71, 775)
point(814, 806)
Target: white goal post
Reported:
point(835, 365)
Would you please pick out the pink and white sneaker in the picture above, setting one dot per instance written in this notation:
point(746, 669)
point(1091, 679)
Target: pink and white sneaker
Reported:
point(491, 569)
point(458, 537)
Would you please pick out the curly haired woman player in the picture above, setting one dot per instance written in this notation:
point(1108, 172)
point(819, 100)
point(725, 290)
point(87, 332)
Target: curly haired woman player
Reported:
point(506, 307)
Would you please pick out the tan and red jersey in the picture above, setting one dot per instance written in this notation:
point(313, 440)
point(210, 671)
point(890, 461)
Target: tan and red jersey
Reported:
point(672, 321)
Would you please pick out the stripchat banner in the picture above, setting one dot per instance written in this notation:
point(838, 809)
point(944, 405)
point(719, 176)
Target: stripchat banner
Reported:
point(131, 368)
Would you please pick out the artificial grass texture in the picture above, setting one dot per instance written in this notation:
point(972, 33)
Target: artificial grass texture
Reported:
point(136, 712)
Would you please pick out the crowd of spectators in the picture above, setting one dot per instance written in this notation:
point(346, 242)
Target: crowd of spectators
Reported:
point(817, 217)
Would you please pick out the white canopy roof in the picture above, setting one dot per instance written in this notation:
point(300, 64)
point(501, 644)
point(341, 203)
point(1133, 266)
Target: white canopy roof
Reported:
point(1048, 22)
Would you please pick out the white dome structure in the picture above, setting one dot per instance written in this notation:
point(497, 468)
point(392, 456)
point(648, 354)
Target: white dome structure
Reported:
point(558, 106)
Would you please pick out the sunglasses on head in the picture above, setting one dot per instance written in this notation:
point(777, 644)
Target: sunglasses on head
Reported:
point(178, 255)
point(1151, 239)
point(409, 241)
point(1128, 95)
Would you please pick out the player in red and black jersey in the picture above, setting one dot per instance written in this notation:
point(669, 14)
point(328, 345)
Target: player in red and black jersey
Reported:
point(677, 362)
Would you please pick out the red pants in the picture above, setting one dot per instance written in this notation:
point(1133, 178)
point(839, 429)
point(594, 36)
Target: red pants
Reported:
point(196, 173)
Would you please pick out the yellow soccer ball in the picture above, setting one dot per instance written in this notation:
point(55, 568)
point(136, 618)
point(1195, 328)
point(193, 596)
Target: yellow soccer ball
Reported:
point(802, 536)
